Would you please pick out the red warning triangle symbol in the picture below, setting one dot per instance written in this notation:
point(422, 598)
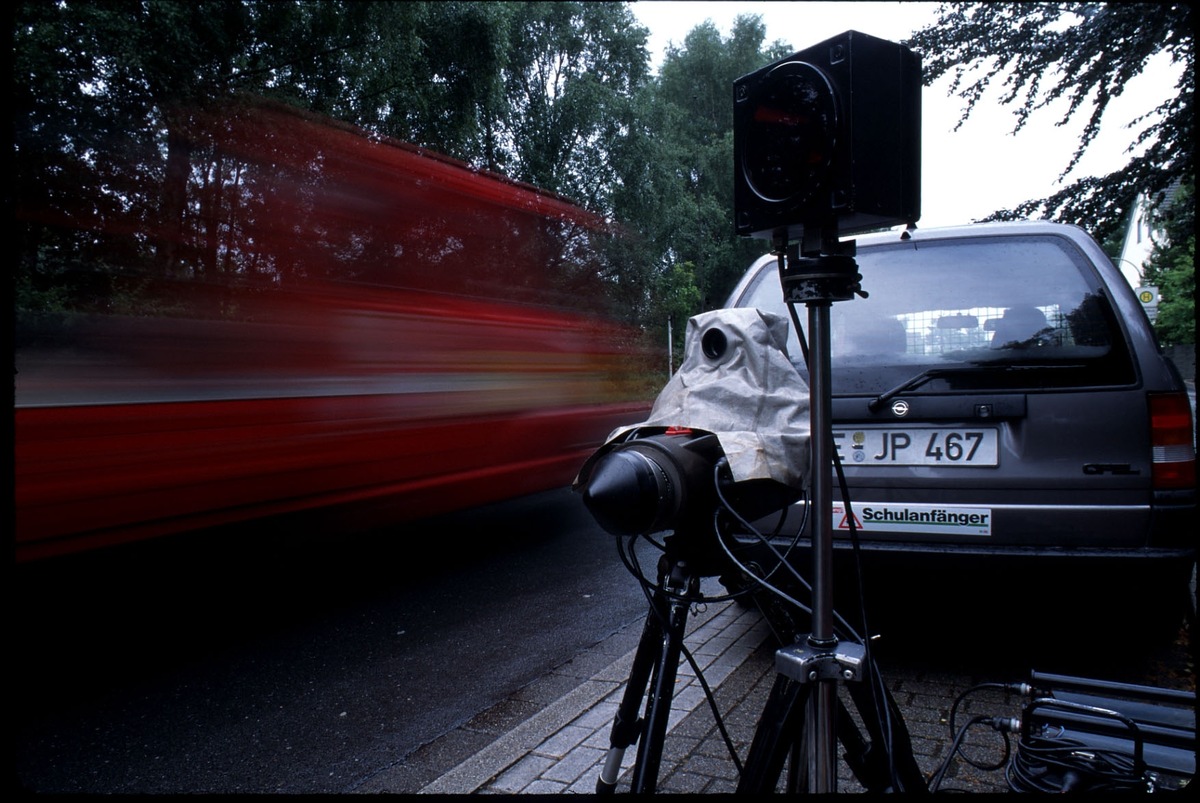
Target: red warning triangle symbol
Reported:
point(844, 524)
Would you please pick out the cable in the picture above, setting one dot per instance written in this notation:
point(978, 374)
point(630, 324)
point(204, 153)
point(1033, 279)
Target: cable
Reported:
point(1069, 765)
point(1047, 760)
point(629, 557)
point(879, 694)
point(997, 723)
point(782, 560)
point(1003, 725)
point(1018, 688)
point(791, 308)
point(848, 629)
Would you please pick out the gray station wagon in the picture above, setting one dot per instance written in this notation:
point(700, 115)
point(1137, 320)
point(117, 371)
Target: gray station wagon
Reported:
point(1005, 418)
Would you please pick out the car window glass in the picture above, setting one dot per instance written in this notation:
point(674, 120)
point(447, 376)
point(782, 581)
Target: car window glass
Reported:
point(1032, 302)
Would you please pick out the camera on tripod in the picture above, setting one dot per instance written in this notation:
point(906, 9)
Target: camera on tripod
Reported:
point(827, 142)
point(676, 479)
point(728, 432)
point(727, 438)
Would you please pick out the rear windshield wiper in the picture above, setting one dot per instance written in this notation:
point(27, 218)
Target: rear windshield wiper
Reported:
point(876, 404)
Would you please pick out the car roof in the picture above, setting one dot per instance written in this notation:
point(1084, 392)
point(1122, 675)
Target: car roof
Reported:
point(990, 229)
point(968, 231)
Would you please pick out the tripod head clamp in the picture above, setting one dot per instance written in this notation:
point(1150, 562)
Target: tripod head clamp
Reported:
point(818, 271)
point(806, 663)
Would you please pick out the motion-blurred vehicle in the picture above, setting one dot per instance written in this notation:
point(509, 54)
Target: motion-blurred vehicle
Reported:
point(1004, 417)
point(351, 324)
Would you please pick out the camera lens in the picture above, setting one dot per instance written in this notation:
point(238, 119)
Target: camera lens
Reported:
point(629, 493)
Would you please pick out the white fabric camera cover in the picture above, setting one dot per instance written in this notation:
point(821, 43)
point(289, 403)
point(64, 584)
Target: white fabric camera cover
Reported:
point(750, 396)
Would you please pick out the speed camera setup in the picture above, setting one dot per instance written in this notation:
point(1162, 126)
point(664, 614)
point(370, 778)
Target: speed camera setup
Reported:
point(826, 145)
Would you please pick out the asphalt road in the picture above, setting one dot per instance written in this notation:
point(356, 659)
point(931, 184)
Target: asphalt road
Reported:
point(245, 661)
point(295, 662)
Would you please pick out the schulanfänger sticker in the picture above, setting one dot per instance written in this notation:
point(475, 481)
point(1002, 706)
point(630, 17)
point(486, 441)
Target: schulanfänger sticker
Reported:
point(872, 517)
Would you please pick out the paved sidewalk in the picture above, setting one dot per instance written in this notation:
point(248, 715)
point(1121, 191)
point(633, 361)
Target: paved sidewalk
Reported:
point(562, 748)
point(551, 737)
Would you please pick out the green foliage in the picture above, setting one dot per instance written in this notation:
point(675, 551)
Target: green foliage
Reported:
point(110, 105)
point(1172, 267)
point(677, 170)
point(1085, 53)
point(678, 298)
point(569, 68)
point(108, 100)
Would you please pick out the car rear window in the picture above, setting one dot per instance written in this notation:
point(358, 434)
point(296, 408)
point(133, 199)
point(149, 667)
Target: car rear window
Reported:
point(1003, 313)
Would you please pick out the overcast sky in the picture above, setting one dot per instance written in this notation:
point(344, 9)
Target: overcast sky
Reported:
point(965, 174)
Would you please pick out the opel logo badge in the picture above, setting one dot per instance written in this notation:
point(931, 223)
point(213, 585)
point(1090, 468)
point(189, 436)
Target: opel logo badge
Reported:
point(899, 408)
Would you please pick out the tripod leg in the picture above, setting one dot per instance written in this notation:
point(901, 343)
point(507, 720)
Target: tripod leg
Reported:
point(781, 727)
point(658, 703)
point(871, 764)
point(626, 725)
point(655, 665)
point(855, 747)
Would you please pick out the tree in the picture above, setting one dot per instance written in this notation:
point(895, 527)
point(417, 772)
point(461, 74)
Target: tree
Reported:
point(569, 70)
point(111, 103)
point(1086, 53)
point(696, 81)
point(123, 176)
point(674, 192)
point(1172, 267)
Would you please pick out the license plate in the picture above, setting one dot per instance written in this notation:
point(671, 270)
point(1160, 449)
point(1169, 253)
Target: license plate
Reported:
point(917, 446)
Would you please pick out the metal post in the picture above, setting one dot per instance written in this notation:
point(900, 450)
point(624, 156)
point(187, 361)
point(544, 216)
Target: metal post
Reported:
point(822, 777)
point(670, 350)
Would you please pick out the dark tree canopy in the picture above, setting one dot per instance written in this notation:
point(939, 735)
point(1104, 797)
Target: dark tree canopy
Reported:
point(1086, 53)
point(120, 175)
point(116, 174)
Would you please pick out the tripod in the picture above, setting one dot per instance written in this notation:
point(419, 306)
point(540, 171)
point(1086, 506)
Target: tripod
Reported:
point(655, 666)
point(804, 717)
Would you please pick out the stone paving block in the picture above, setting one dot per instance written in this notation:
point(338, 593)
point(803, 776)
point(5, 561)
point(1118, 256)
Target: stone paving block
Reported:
point(677, 749)
point(703, 660)
point(715, 646)
point(618, 670)
point(721, 669)
point(517, 777)
point(710, 766)
point(688, 699)
point(586, 783)
point(684, 783)
point(721, 786)
point(561, 742)
point(599, 716)
point(927, 748)
point(543, 786)
point(568, 769)
point(697, 724)
point(600, 739)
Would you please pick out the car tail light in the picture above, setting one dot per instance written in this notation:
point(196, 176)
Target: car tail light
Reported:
point(1171, 437)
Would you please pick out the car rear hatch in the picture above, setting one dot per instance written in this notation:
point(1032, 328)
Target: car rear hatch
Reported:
point(986, 397)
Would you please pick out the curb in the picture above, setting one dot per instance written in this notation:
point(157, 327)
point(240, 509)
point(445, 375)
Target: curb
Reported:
point(561, 748)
